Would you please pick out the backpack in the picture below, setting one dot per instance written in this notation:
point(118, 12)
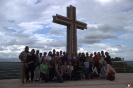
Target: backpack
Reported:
point(91, 76)
point(111, 78)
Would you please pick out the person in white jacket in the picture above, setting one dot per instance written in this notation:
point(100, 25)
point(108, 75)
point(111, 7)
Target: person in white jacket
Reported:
point(94, 72)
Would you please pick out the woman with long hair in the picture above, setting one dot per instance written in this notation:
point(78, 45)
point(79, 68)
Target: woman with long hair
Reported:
point(30, 65)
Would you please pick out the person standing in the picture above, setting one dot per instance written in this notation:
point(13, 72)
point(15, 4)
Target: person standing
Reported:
point(91, 61)
point(101, 60)
point(40, 58)
point(30, 65)
point(44, 56)
point(96, 62)
point(108, 58)
point(65, 58)
point(22, 57)
point(54, 52)
point(51, 67)
point(82, 58)
point(48, 57)
point(87, 56)
point(60, 54)
point(86, 66)
point(102, 54)
point(37, 69)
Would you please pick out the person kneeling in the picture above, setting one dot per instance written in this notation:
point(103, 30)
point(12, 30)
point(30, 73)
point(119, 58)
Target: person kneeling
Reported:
point(44, 71)
point(58, 71)
point(110, 72)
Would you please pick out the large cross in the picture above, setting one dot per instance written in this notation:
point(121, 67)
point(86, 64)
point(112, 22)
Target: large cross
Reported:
point(72, 24)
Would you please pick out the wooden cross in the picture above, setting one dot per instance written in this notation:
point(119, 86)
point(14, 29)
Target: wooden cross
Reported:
point(72, 24)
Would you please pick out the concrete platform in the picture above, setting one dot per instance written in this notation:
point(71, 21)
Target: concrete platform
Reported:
point(121, 81)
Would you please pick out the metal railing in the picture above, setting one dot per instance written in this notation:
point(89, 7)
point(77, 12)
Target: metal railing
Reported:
point(123, 66)
point(11, 70)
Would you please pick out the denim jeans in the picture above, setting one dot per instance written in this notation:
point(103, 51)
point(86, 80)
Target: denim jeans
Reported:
point(77, 76)
point(87, 73)
point(59, 78)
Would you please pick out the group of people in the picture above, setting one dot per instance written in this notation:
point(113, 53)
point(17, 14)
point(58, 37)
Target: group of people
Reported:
point(60, 66)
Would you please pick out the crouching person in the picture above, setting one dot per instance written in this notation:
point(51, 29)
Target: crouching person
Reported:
point(109, 71)
point(58, 71)
point(44, 71)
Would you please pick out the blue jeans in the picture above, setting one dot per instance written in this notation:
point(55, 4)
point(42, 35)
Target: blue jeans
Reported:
point(77, 76)
point(87, 73)
point(66, 76)
point(59, 78)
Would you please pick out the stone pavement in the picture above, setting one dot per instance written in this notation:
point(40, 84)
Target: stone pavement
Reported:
point(121, 81)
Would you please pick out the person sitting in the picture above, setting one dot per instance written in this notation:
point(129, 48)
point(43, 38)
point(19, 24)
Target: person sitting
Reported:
point(44, 71)
point(65, 71)
point(58, 71)
point(101, 60)
point(70, 69)
point(109, 71)
point(94, 72)
point(77, 72)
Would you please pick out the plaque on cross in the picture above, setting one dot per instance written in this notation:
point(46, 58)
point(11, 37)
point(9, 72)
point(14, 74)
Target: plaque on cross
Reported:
point(72, 24)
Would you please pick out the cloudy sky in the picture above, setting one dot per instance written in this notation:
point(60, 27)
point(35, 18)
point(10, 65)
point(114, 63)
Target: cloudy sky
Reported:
point(29, 22)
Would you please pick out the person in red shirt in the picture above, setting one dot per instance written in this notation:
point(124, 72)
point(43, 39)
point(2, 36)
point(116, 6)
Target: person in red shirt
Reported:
point(96, 62)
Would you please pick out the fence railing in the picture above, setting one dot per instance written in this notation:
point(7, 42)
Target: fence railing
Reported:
point(11, 70)
point(123, 66)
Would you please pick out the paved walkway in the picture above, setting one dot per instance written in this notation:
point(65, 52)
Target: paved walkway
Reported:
point(121, 81)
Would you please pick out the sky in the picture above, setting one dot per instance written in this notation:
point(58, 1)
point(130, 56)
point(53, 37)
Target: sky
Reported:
point(29, 23)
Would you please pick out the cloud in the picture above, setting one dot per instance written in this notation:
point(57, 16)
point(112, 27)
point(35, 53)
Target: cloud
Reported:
point(29, 22)
point(30, 27)
point(110, 28)
point(55, 32)
point(128, 36)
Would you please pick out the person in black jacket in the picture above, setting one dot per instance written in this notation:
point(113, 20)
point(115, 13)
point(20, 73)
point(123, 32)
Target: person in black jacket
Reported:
point(30, 65)
point(108, 58)
point(52, 68)
point(77, 72)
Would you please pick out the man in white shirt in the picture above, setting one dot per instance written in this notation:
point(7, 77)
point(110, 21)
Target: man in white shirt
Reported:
point(48, 57)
